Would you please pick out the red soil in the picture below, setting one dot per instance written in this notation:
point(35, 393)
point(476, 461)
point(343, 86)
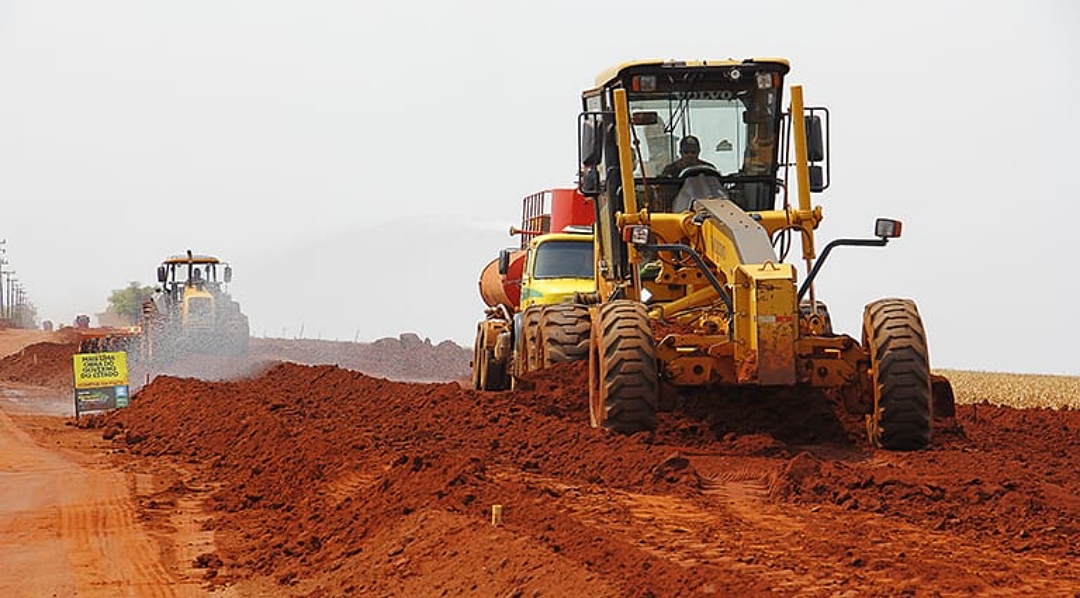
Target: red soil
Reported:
point(322, 481)
point(331, 483)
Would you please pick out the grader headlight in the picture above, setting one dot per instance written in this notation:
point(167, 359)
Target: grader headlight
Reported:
point(886, 228)
point(637, 235)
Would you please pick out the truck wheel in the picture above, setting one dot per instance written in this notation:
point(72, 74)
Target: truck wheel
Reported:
point(564, 333)
point(488, 373)
point(477, 358)
point(530, 338)
point(900, 369)
point(623, 382)
point(493, 374)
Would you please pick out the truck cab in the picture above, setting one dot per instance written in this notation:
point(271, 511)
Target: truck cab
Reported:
point(557, 265)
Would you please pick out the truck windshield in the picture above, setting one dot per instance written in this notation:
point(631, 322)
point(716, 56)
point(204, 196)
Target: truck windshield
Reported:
point(563, 259)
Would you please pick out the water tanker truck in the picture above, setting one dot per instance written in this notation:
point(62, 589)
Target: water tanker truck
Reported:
point(532, 286)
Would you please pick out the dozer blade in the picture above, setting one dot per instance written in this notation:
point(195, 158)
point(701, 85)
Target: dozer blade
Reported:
point(944, 401)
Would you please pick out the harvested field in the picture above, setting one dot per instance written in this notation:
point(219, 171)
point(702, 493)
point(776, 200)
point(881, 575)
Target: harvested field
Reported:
point(1022, 391)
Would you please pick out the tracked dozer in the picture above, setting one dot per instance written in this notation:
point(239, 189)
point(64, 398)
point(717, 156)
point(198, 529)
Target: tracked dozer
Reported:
point(192, 312)
point(694, 283)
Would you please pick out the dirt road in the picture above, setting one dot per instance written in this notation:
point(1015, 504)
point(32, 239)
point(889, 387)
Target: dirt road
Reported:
point(72, 525)
point(322, 481)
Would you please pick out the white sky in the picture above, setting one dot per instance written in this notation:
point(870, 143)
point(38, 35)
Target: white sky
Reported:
point(358, 165)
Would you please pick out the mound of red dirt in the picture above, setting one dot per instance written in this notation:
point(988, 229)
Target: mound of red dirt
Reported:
point(337, 483)
point(315, 461)
point(41, 364)
point(407, 357)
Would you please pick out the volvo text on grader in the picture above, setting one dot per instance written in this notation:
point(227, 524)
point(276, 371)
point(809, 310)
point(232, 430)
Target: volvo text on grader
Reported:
point(699, 251)
point(191, 312)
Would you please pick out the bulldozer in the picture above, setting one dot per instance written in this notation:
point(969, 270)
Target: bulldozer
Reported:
point(695, 285)
point(191, 312)
point(531, 288)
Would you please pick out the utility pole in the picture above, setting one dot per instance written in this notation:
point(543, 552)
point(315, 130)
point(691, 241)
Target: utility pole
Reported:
point(10, 296)
point(21, 311)
point(3, 262)
point(7, 306)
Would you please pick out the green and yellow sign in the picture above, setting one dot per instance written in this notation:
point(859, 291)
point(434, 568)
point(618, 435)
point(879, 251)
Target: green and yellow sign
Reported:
point(101, 381)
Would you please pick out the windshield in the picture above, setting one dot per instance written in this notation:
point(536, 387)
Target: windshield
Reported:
point(199, 273)
point(733, 129)
point(563, 259)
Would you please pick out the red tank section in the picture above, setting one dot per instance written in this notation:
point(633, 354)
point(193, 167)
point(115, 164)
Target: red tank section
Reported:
point(570, 208)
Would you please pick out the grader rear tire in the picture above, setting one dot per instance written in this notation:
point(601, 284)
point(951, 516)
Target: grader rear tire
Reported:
point(624, 388)
point(900, 368)
point(564, 334)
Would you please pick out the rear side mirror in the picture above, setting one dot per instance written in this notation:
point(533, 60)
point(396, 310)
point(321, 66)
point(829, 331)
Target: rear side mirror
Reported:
point(817, 179)
point(817, 147)
point(815, 144)
point(227, 275)
point(504, 261)
point(162, 274)
point(590, 140)
point(589, 182)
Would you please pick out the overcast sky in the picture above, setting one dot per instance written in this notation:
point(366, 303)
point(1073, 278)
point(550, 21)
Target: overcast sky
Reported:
point(359, 163)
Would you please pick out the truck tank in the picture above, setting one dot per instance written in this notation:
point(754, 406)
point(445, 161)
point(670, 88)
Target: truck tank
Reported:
point(496, 289)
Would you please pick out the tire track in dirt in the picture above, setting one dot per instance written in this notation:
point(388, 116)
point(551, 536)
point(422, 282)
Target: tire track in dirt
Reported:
point(734, 527)
point(76, 528)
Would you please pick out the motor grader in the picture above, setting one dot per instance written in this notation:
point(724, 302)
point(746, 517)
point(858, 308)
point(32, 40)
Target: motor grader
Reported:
point(191, 312)
point(530, 288)
point(694, 287)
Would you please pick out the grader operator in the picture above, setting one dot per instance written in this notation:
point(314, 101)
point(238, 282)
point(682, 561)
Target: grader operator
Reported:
point(191, 312)
point(700, 252)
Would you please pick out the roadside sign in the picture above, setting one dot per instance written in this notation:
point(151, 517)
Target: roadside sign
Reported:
point(101, 381)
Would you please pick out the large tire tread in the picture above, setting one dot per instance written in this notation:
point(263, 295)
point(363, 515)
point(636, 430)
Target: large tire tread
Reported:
point(530, 341)
point(564, 333)
point(903, 407)
point(624, 369)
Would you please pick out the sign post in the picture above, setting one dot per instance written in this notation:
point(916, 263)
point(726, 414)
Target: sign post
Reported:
point(101, 381)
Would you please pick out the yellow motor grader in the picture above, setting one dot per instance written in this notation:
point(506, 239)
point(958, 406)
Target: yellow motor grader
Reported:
point(191, 312)
point(693, 283)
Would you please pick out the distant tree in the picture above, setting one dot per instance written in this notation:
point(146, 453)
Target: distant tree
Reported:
point(128, 302)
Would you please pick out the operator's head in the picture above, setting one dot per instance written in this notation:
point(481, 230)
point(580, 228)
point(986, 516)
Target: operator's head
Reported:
point(689, 146)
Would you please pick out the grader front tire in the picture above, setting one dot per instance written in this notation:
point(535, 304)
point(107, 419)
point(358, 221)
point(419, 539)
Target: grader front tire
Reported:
point(900, 369)
point(623, 382)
